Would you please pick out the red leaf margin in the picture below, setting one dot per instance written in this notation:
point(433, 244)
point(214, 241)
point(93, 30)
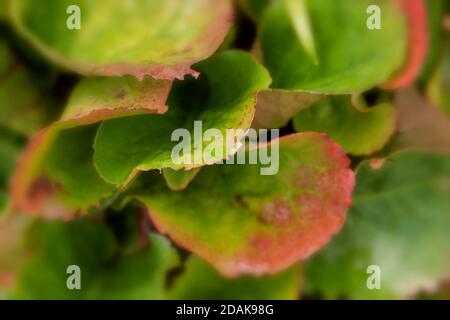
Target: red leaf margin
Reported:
point(217, 33)
point(34, 194)
point(269, 255)
point(415, 12)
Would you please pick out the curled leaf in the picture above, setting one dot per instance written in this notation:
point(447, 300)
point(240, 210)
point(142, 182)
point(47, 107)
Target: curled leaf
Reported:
point(416, 15)
point(96, 99)
point(162, 40)
point(350, 57)
point(224, 98)
point(55, 176)
point(179, 180)
point(302, 25)
point(359, 132)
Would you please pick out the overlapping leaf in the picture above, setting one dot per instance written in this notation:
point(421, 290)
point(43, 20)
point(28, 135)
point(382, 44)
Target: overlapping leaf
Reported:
point(223, 99)
point(179, 180)
point(105, 273)
point(244, 223)
point(240, 222)
point(350, 56)
point(10, 146)
point(96, 99)
point(160, 38)
point(399, 222)
point(56, 177)
point(359, 132)
point(199, 281)
point(58, 162)
point(20, 94)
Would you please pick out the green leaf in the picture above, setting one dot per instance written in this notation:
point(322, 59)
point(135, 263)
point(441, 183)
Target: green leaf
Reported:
point(130, 225)
point(415, 12)
point(179, 180)
point(57, 158)
point(10, 146)
point(21, 99)
point(350, 57)
point(359, 132)
point(435, 14)
point(7, 58)
point(439, 86)
point(13, 251)
point(201, 282)
point(69, 163)
point(243, 222)
point(399, 222)
point(3, 8)
point(300, 18)
point(255, 8)
point(56, 176)
point(223, 99)
point(95, 99)
point(105, 273)
point(138, 37)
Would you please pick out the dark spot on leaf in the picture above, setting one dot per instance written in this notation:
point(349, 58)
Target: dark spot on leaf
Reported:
point(41, 189)
point(240, 201)
point(122, 94)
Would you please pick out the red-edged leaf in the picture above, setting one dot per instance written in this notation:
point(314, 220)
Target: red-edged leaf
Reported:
point(244, 223)
point(159, 38)
point(416, 15)
point(40, 175)
point(96, 99)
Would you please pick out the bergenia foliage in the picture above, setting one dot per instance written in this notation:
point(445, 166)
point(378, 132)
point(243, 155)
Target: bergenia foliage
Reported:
point(266, 223)
point(164, 39)
point(345, 171)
